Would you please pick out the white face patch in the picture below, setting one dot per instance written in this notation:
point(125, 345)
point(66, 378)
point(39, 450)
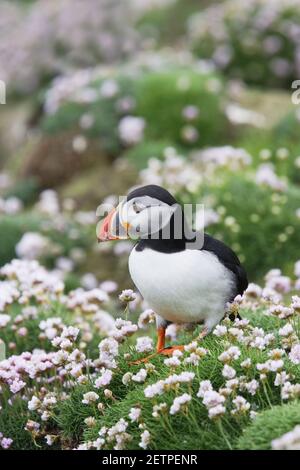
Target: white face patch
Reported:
point(145, 216)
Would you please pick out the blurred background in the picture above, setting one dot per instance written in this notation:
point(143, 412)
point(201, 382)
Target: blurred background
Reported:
point(103, 95)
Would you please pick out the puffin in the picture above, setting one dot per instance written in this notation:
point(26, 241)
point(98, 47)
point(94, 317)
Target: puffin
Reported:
point(186, 277)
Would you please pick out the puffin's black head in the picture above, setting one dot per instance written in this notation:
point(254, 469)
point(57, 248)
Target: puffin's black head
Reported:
point(143, 214)
point(153, 191)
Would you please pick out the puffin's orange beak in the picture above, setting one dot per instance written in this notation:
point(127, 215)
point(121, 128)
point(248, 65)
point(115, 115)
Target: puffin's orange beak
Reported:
point(110, 228)
point(104, 228)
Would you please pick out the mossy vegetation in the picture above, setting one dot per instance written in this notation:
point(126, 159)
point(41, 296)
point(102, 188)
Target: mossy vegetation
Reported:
point(269, 425)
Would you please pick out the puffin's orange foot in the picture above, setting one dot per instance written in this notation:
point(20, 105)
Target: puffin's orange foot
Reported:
point(144, 360)
point(169, 351)
point(165, 351)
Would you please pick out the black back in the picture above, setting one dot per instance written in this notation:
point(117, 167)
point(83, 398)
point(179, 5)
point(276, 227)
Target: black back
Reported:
point(229, 259)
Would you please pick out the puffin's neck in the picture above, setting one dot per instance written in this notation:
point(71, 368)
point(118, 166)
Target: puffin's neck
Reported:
point(173, 243)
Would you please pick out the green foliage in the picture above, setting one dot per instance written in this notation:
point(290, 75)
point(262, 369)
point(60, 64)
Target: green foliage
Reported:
point(265, 56)
point(198, 430)
point(283, 150)
point(286, 134)
point(72, 413)
point(104, 127)
point(24, 1)
point(12, 228)
point(191, 430)
point(263, 225)
point(168, 24)
point(182, 432)
point(139, 155)
point(25, 190)
point(102, 110)
point(32, 341)
point(13, 419)
point(160, 98)
point(288, 128)
point(161, 101)
point(268, 425)
point(63, 119)
point(72, 282)
point(64, 241)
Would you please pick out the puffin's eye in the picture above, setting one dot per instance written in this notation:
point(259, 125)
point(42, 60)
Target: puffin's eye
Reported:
point(137, 207)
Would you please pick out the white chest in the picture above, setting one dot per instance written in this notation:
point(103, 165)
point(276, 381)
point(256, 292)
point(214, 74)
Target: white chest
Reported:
point(183, 287)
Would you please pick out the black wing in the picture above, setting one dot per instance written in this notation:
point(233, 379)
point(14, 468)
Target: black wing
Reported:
point(229, 259)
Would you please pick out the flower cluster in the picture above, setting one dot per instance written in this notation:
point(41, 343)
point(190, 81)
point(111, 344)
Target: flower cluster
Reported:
point(123, 329)
point(171, 382)
point(144, 344)
point(177, 174)
point(249, 360)
point(267, 55)
point(10, 206)
point(180, 403)
point(86, 33)
point(5, 442)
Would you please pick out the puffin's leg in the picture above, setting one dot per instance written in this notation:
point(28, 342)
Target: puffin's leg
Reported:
point(161, 325)
point(202, 334)
point(161, 338)
point(161, 331)
point(209, 325)
point(169, 351)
